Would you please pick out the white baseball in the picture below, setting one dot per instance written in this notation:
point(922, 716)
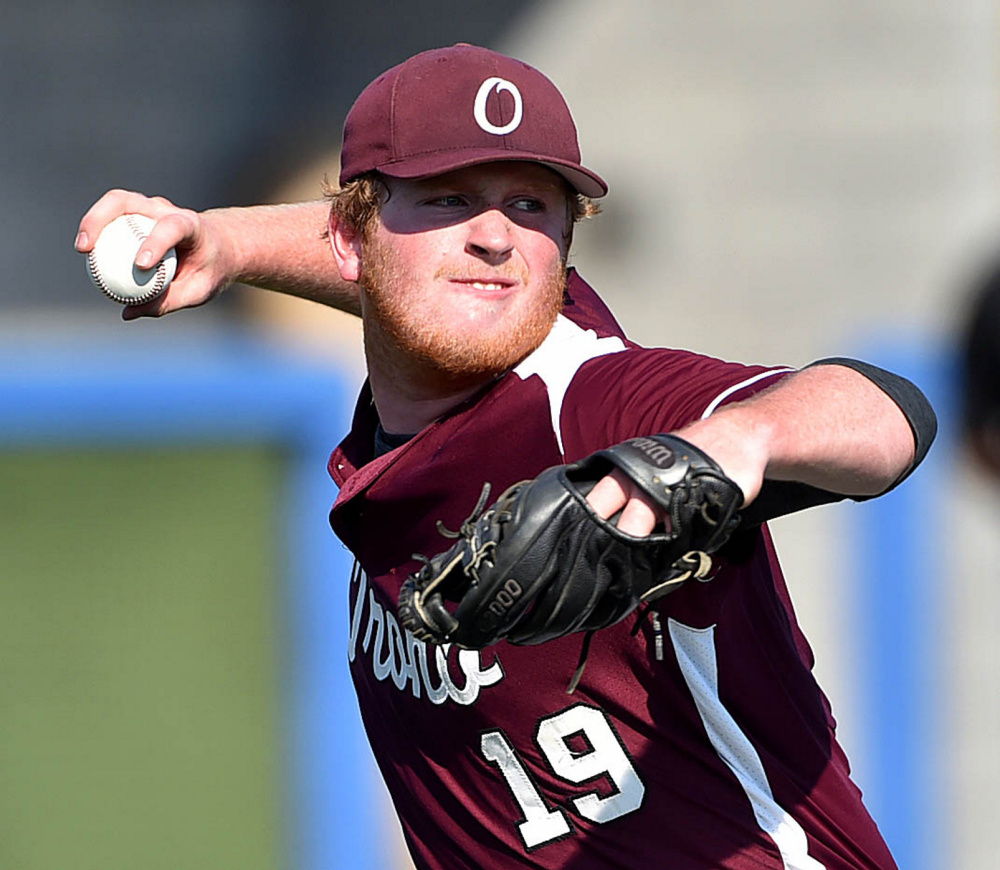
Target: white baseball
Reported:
point(111, 263)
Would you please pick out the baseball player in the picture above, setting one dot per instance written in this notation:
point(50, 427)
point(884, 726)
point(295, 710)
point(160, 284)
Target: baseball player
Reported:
point(693, 735)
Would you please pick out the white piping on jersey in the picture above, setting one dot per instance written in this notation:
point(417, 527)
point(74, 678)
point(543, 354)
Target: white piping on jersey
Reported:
point(695, 648)
point(557, 360)
point(725, 394)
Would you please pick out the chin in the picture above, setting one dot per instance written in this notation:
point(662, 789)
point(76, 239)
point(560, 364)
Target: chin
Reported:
point(489, 356)
point(467, 342)
point(476, 362)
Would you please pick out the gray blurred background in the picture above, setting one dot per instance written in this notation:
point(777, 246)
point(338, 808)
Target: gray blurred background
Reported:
point(788, 180)
point(210, 102)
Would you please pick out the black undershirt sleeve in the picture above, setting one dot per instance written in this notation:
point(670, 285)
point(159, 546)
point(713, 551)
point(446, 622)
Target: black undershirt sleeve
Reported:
point(780, 497)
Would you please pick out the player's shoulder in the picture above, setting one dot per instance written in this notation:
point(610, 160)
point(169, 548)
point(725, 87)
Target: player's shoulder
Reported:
point(640, 365)
point(641, 391)
point(587, 340)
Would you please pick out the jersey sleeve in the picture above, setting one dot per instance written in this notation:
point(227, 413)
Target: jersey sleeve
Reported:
point(643, 391)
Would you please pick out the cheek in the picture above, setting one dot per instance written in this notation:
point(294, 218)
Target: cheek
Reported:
point(421, 248)
point(544, 255)
point(545, 244)
point(410, 254)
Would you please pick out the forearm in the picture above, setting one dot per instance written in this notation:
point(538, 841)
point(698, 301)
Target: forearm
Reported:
point(827, 426)
point(284, 248)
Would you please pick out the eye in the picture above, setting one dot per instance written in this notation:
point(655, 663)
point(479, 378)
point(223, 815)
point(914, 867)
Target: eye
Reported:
point(447, 200)
point(529, 204)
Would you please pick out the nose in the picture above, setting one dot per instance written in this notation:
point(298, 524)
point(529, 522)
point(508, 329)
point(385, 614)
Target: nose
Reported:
point(490, 236)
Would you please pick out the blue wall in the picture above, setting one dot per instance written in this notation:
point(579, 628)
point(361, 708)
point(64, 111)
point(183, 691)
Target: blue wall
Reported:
point(130, 390)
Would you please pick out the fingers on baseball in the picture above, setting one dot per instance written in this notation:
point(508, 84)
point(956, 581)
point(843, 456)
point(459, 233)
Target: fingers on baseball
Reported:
point(112, 204)
point(168, 232)
point(117, 202)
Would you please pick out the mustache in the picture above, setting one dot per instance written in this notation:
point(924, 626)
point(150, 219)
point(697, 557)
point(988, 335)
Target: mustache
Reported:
point(512, 272)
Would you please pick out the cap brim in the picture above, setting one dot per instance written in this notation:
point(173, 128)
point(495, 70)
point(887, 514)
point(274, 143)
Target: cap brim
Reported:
point(428, 165)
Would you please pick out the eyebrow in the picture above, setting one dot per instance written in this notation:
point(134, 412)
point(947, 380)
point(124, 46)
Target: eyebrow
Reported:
point(542, 184)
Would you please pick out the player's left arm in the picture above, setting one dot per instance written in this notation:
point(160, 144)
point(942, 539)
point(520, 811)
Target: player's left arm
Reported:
point(833, 429)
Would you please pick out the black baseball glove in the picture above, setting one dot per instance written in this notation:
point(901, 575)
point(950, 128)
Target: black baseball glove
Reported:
point(540, 563)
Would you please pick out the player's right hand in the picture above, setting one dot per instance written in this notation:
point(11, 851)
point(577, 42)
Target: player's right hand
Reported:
point(205, 255)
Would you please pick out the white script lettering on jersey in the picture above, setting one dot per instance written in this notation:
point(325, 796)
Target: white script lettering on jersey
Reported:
point(479, 110)
point(395, 654)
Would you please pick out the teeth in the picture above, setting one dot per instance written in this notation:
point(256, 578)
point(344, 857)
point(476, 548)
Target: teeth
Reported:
point(479, 285)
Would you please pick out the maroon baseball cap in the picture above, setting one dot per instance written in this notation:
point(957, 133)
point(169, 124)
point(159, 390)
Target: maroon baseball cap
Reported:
point(461, 106)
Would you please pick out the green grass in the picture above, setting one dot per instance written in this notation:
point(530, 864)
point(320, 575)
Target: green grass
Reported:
point(139, 660)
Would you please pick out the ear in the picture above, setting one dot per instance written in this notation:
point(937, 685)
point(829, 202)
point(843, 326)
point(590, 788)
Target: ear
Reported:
point(345, 241)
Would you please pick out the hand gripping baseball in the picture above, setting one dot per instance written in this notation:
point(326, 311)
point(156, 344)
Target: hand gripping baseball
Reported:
point(540, 563)
point(206, 259)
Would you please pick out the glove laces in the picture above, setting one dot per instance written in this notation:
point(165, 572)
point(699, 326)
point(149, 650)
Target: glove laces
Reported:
point(467, 529)
point(582, 663)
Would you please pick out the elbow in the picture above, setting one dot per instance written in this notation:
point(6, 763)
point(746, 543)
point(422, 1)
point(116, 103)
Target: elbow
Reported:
point(906, 426)
point(907, 438)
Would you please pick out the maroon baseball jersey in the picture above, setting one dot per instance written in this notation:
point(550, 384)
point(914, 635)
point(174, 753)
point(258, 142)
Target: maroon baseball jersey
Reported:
point(697, 738)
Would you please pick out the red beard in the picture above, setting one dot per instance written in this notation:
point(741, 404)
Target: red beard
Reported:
point(486, 349)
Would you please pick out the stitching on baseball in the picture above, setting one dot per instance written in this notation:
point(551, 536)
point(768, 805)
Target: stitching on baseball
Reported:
point(97, 277)
point(161, 277)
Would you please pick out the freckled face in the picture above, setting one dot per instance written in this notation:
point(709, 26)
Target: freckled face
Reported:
point(465, 272)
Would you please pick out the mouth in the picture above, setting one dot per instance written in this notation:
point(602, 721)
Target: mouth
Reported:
point(485, 285)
